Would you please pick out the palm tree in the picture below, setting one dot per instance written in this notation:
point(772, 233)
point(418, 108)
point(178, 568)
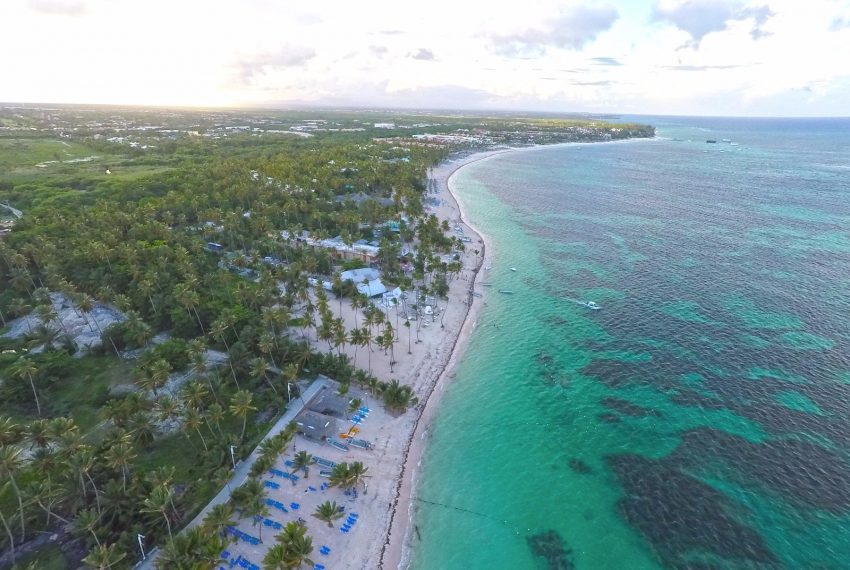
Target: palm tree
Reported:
point(398, 397)
point(356, 473)
point(158, 502)
point(241, 406)
point(88, 520)
point(103, 557)
point(119, 456)
point(293, 548)
point(193, 549)
point(11, 463)
point(219, 518)
point(142, 429)
point(39, 433)
point(328, 512)
point(10, 432)
point(26, 368)
point(192, 421)
point(260, 369)
point(302, 461)
point(8, 529)
point(219, 331)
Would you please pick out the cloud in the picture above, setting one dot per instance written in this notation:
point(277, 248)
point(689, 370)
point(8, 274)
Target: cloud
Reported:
point(840, 23)
point(378, 51)
point(288, 56)
point(59, 7)
point(701, 17)
point(592, 83)
point(571, 29)
point(700, 67)
point(605, 61)
point(422, 54)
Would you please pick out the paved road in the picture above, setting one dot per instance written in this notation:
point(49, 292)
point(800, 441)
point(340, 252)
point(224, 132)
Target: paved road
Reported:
point(244, 467)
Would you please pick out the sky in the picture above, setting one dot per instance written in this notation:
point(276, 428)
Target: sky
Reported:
point(681, 57)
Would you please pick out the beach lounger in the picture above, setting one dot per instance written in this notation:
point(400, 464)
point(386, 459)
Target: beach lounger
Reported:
point(325, 473)
point(294, 506)
point(311, 488)
point(271, 484)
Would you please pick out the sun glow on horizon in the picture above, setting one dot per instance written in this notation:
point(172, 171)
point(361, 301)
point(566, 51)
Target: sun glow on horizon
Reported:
point(775, 57)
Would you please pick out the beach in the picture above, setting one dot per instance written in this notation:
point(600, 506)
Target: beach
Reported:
point(398, 441)
point(379, 534)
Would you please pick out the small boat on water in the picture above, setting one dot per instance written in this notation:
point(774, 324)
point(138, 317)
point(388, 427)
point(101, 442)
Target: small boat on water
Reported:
point(711, 141)
point(506, 291)
point(486, 284)
point(592, 305)
point(477, 294)
point(488, 268)
point(513, 268)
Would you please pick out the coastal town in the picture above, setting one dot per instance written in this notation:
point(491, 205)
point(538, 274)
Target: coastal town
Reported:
point(224, 333)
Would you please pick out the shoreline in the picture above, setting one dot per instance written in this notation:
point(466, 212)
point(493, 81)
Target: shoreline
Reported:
point(395, 551)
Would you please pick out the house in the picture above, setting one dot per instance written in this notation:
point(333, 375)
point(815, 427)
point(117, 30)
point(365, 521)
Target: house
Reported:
point(360, 275)
point(392, 298)
point(341, 250)
point(316, 426)
point(372, 288)
point(328, 402)
point(216, 247)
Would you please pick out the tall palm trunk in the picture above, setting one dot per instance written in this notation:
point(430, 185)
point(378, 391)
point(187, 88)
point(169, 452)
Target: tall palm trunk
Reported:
point(35, 394)
point(20, 504)
point(10, 535)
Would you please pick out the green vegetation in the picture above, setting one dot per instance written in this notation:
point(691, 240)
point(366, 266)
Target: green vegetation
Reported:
point(200, 233)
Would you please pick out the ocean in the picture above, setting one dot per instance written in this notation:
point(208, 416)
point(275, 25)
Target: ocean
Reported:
point(701, 418)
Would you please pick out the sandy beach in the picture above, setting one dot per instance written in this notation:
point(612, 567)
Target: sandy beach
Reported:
point(381, 536)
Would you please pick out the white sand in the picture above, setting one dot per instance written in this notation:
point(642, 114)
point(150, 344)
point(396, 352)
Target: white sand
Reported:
point(380, 537)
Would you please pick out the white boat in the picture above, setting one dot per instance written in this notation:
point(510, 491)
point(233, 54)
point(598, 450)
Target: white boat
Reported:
point(592, 305)
point(513, 268)
point(506, 291)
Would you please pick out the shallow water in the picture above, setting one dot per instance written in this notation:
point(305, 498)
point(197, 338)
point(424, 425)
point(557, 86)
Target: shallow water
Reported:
point(701, 418)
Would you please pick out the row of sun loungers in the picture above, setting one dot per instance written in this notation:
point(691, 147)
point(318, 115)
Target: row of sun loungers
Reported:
point(283, 474)
point(276, 504)
point(349, 522)
point(243, 536)
point(269, 522)
point(238, 561)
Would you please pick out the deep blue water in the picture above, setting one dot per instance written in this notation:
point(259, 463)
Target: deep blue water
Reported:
point(701, 419)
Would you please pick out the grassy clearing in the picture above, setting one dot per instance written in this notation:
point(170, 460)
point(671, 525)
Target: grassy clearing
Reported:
point(26, 153)
point(82, 394)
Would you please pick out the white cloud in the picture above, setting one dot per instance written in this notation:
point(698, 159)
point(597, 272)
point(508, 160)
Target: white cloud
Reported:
point(559, 55)
point(58, 7)
point(572, 28)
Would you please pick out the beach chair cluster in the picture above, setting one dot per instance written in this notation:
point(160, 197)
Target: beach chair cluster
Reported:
point(269, 522)
point(284, 474)
point(325, 550)
point(360, 416)
point(238, 561)
point(243, 536)
point(319, 567)
point(271, 484)
point(276, 504)
point(349, 523)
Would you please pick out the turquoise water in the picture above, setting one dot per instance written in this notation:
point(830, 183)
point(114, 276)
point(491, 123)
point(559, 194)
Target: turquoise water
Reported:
point(701, 419)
